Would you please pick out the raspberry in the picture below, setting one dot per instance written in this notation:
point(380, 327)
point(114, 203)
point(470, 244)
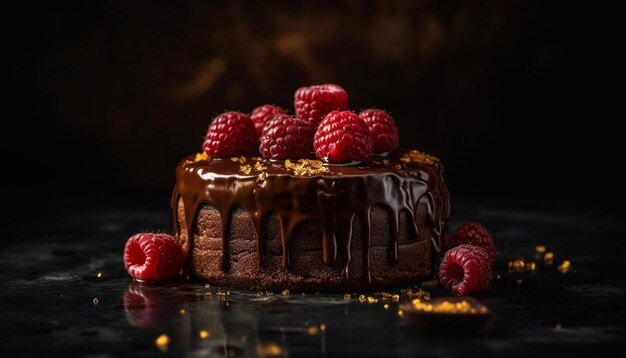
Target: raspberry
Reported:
point(286, 137)
point(382, 128)
point(473, 234)
point(314, 102)
point(152, 257)
point(342, 137)
point(262, 114)
point(231, 134)
point(465, 270)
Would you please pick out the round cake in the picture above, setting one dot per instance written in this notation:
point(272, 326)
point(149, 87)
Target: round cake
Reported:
point(306, 225)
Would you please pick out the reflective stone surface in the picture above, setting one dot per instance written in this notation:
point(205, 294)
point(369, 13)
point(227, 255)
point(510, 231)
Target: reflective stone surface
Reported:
point(54, 302)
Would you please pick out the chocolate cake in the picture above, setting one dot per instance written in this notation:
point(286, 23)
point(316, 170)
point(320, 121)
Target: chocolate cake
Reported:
point(309, 226)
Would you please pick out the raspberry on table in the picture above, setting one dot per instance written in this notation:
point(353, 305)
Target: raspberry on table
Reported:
point(382, 128)
point(262, 115)
point(314, 102)
point(342, 137)
point(465, 270)
point(231, 134)
point(473, 234)
point(153, 257)
point(286, 137)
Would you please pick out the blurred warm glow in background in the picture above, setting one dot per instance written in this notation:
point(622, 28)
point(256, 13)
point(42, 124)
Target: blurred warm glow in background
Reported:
point(119, 91)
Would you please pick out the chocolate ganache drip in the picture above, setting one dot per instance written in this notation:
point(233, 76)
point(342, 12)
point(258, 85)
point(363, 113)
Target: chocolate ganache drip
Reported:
point(308, 191)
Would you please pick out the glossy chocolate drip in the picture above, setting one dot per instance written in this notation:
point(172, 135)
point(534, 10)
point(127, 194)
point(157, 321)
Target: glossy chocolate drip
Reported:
point(331, 198)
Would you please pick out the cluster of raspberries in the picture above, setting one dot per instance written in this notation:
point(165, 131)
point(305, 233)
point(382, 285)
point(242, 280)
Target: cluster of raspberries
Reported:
point(466, 265)
point(322, 127)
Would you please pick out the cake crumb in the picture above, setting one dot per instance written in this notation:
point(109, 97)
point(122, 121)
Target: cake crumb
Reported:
point(204, 334)
point(246, 169)
point(162, 341)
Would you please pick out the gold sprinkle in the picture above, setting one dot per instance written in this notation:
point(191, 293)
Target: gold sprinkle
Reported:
point(347, 296)
point(398, 166)
point(385, 162)
point(549, 256)
point(269, 350)
point(531, 266)
point(362, 298)
point(565, 266)
point(400, 313)
point(386, 306)
point(200, 156)
point(246, 169)
point(99, 275)
point(285, 292)
point(395, 297)
point(259, 167)
point(182, 312)
point(306, 167)
point(261, 178)
point(244, 339)
point(540, 249)
point(162, 341)
point(516, 265)
point(446, 306)
point(313, 330)
point(234, 159)
point(258, 159)
point(206, 285)
point(418, 157)
point(95, 301)
point(323, 327)
point(498, 277)
point(242, 159)
point(204, 334)
point(558, 326)
point(371, 299)
point(431, 283)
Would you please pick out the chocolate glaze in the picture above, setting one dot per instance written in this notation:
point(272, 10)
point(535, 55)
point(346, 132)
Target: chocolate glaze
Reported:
point(332, 199)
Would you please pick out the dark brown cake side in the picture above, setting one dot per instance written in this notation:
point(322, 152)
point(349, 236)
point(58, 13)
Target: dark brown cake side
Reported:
point(311, 228)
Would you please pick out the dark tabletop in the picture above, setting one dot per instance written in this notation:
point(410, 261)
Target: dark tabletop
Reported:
point(53, 301)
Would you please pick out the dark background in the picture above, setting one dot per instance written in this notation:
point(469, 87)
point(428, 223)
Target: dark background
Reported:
point(107, 96)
